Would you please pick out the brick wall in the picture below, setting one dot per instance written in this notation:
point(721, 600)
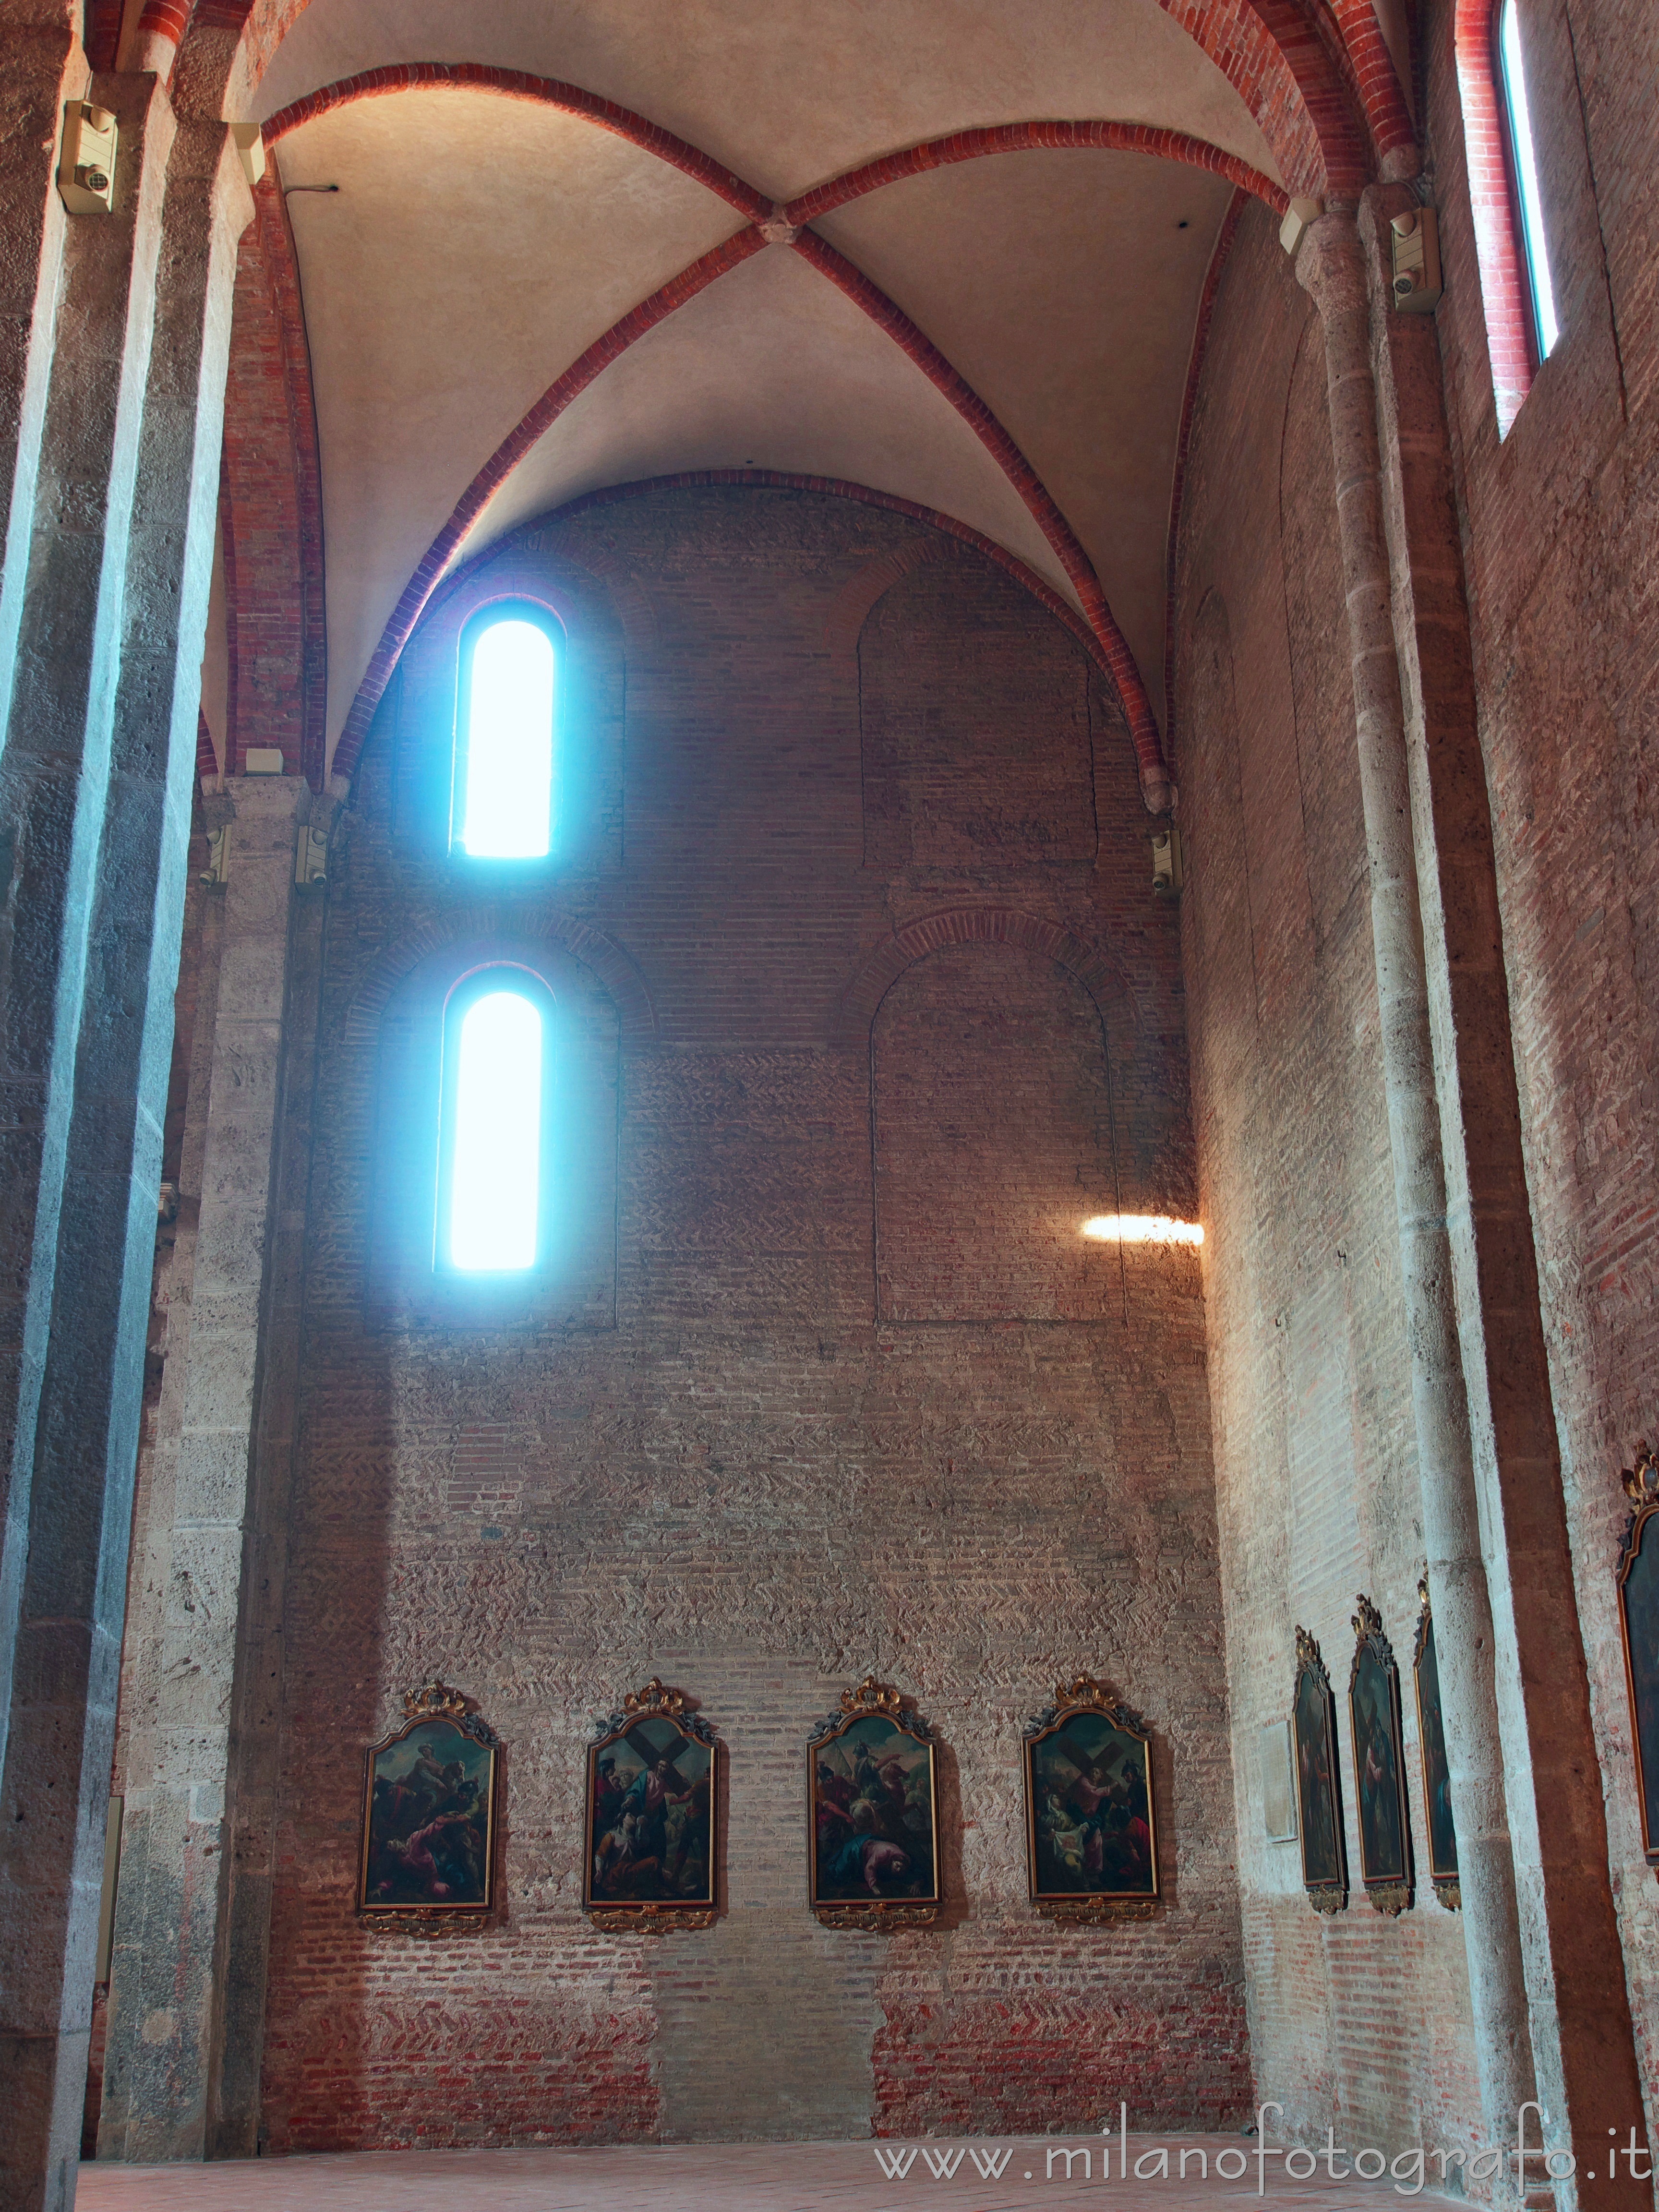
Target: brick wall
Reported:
point(1357, 2020)
point(758, 1482)
point(271, 508)
point(1561, 523)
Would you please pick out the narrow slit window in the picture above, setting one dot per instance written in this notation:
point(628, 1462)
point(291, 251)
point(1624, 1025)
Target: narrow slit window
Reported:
point(506, 783)
point(1534, 243)
point(493, 1190)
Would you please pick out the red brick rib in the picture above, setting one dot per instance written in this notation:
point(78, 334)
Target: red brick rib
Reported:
point(507, 457)
point(1323, 94)
point(271, 508)
point(514, 84)
point(891, 318)
point(1376, 84)
point(1032, 138)
point(165, 19)
point(101, 34)
point(1503, 289)
point(1264, 55)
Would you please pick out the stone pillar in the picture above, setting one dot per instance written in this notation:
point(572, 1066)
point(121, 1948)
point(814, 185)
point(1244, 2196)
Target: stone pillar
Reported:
point(187, 1979)
point(1451, 1083)
point(93, 803)
point(41, 66)
point(1585, 2052)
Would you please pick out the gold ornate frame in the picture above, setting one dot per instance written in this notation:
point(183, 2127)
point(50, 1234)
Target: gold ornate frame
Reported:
point(1389, 1891)
point(1083, 1694)
point(1447, 1882)
point(652, 1916)
point(882, 1914)
point(1642, 1487)
point(1324, 1896)
point(433, 1703)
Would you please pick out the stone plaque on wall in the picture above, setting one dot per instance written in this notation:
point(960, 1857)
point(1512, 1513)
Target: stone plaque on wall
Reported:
point(1278, 1783)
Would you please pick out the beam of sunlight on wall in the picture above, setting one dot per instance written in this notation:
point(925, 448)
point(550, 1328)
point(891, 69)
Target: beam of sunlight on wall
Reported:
point(1142, 1228)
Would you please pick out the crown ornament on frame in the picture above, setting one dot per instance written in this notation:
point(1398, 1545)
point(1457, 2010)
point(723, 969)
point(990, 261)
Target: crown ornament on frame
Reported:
point(1085, 1694)
point(1638, 1632)
point(434, 1700)
point(655, 1698)
point(1641, 1484)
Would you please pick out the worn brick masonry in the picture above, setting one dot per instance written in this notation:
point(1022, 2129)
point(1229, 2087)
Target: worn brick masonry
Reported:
point(764, 1478)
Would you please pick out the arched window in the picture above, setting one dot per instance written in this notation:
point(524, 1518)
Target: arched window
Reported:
point(492, 1178)
point(504, 750)
point(1524, 159)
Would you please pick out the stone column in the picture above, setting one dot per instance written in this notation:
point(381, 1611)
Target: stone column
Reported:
point(94, 800)
point(41, 66)
point(1451, 1083)
point(1585, 2052)
point(187, 1985)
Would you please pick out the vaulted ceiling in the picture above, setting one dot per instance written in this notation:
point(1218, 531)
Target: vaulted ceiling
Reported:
point(547, 246)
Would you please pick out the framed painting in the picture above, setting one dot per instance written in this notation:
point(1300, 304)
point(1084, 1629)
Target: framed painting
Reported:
point(1379, 1763)
point(1318, 1787)
point(873, 1823)
point(1639, 1626)
point(1437, 1772)
point(650, 1825)
point(1090, 1829)
point(428, 1842)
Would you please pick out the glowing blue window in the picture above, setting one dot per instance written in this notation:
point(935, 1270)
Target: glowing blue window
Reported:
point(504, 807)
point(491, 1194)
point(1534, 244)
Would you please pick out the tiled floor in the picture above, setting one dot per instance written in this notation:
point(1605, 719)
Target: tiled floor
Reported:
point(836, 2177)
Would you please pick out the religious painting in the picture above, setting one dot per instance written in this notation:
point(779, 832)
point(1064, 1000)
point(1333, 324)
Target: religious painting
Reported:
point(1318, 1788)
point(1638, 1622)
point(872, 1824)
point(429, 1844)
point(1379, 1763)
point(650, 1828)
point(1090, 1834)
point(1437, 1772)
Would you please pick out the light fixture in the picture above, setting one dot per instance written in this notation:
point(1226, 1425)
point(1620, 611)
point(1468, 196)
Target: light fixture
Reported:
point(1142, 1228)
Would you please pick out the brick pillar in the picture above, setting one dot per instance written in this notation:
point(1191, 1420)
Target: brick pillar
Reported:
point(1538, 1928)
point(187, 1978)
point(108, 581)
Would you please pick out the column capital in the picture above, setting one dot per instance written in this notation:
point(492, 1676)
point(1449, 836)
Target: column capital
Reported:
point(1330, 265)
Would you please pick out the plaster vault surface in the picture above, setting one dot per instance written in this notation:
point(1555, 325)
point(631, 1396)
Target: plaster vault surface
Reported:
point(485, 242)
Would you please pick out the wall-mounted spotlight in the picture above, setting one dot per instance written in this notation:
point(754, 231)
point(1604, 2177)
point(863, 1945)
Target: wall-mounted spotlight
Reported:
point(1415, 252)
point(1166, 860)
point(86, 170)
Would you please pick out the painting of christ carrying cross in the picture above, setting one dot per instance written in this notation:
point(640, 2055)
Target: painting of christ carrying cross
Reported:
point(650, 1824)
